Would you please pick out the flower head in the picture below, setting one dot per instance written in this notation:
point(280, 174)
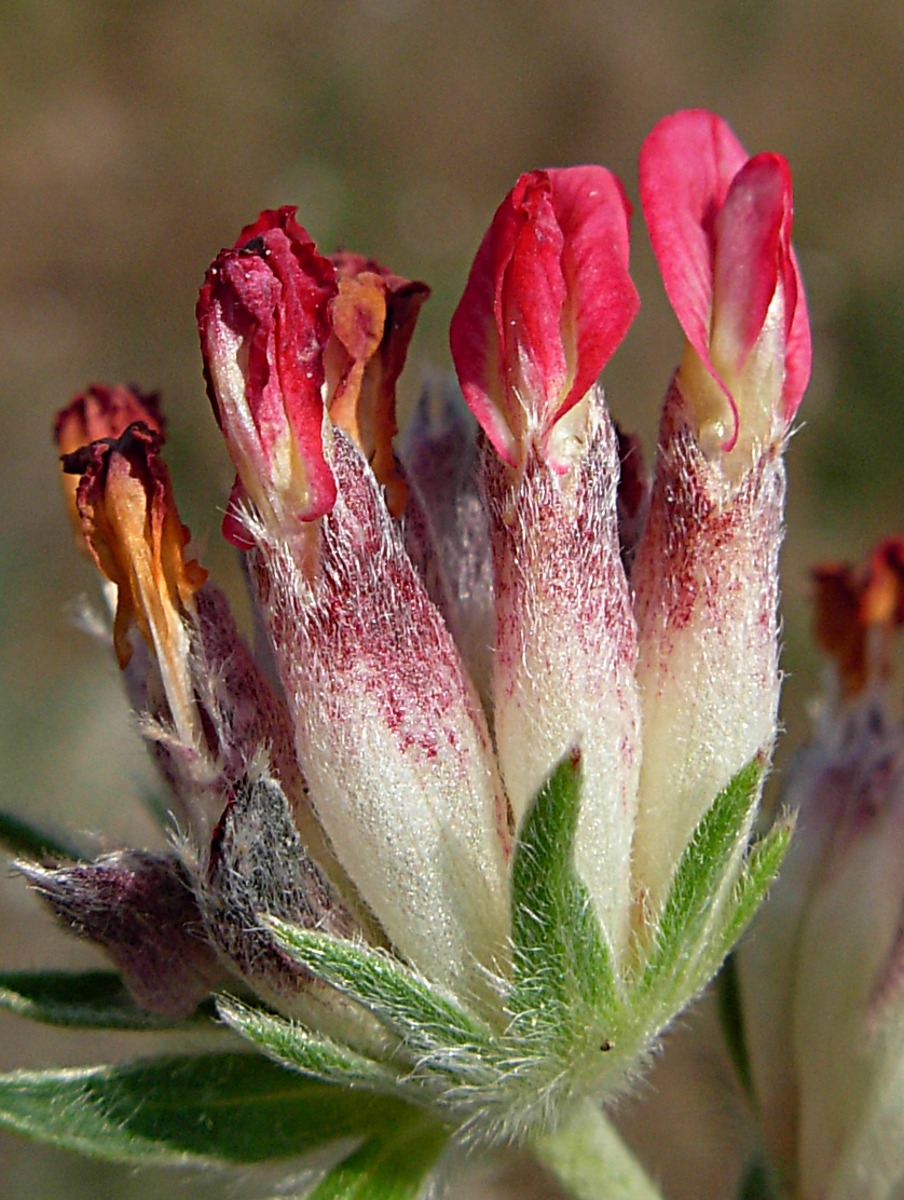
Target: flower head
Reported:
point(426, 845)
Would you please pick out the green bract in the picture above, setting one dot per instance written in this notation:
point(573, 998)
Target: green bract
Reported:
point(567, 1029)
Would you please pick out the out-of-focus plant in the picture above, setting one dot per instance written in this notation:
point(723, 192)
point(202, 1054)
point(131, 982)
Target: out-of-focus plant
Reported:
point(471, 823)
point(822, 974)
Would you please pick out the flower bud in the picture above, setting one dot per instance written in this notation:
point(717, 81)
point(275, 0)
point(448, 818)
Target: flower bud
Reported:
point(140, 909)
point(720, 224)
point(390, 735)
point(822, 975)
point(547, 302)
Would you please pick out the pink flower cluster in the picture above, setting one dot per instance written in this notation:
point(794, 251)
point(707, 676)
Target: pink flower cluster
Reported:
point(441, 627)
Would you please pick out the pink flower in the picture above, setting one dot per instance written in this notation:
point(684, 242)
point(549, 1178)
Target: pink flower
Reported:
point(547, 302)
point(705, 577)
point(720, 224)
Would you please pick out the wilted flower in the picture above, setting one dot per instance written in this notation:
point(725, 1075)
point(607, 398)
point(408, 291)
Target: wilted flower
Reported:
point(100, 412)
point(822, 973)
point(486, 832)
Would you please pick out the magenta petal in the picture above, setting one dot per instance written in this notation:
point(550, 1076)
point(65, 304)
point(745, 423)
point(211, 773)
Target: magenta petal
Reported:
point(529, 300)
point(593, 211)
point(798, 347)
point(752, 249)
point(270, 295)
point(687, 165)
point(547, 301)
point(474, 335)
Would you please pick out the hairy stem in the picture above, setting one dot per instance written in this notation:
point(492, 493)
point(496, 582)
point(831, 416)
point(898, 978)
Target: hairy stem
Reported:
point(591, 1162)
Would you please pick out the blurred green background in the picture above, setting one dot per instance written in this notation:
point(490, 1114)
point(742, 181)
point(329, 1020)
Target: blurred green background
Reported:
point(136, 139)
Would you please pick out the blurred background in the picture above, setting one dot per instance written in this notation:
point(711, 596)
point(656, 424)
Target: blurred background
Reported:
point(136, 140)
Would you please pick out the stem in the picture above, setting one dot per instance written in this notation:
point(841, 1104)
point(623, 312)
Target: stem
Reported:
point(592, 1162)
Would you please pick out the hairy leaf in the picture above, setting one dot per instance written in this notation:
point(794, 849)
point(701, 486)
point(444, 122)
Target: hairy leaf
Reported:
point(422, 1015)
point(228, 1108)
point(689, 909)
point(89, 1000)
point(300, 1048)
point(561, 959)
point(391, 1167)
point(758, 875)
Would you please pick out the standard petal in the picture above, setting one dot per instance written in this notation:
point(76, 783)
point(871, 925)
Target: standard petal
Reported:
point(263, 322)
point(687, 164)
point(602, 301)
point(750, 249)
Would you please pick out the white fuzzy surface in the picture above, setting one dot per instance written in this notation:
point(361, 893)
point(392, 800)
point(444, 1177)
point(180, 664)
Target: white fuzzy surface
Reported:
point(391, 737)
point(706, 584)
point(565, 653)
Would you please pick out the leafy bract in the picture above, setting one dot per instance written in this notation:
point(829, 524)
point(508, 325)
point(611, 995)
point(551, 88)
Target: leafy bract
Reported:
point(389, 1167)
point(561, 960)
point(300, 1048)
point(87, 1000)
point(209, 1108)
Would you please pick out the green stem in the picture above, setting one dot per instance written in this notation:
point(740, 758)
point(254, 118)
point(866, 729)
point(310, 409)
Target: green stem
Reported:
point(589, 1159)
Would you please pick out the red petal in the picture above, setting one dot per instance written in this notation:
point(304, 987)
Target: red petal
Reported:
point(687, 165)
point(530, 295)
point(547, 301)
point(752, 244)
point(272, 292)
point(798, 347)
point(474, 334)
point(593, 212)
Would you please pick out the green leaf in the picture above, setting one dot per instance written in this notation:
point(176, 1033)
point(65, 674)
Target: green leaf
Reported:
point(226, 1108)
point(88, 1000)
point(386, 1168)
point(299, 1048)
point(560, 955)
point(421, 1014)
point(760, 869)
point(689, 909)
point(25, 840)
